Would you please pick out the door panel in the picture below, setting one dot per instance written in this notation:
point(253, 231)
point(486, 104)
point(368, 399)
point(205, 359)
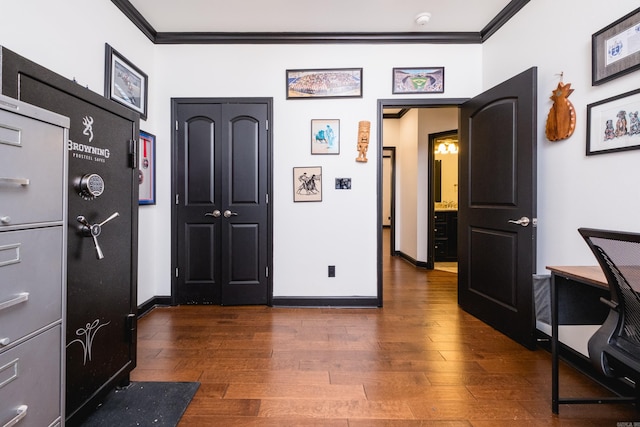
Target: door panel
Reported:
point(222, 223)
point(244, 245)
point(498, 184)
point(492, 170)
point(198, 186)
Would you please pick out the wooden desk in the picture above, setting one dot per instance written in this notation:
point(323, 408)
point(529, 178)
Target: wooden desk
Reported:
point(591, 276)
point(588, 274)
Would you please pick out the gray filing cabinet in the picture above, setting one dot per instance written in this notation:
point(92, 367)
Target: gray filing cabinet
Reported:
point(33, 206)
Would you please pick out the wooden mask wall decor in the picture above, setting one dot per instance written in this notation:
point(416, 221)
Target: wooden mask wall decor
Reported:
point(561, 121)
point(363, 140)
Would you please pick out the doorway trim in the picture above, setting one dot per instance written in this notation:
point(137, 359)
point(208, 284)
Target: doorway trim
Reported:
point(392, 200)
point(431, 256)
point(398, 103)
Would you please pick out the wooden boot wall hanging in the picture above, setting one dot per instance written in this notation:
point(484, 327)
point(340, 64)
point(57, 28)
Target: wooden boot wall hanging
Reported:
point(561, 121)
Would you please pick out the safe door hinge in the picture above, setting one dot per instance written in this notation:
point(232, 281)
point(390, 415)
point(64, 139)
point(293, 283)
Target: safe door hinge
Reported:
point(266, 198)
point(267, 125)
point(266, 272)
point(132, 325)
point(177, 199)
point(177, 272)
point(176, 125)
point(133, 157)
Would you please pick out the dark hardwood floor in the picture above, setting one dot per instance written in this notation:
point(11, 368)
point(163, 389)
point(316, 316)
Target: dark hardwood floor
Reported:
point(418, 361)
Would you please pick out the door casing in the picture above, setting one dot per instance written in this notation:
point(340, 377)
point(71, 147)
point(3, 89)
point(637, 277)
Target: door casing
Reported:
point(397, 103)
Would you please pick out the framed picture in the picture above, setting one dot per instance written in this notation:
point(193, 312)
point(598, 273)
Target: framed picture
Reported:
point(307, 184)
point(325, 136)
point(418, 80)
point(615, 49)
point(332, 83)
point(613, 124)
point(124, 82)
point(147, 168)
point(343, 183)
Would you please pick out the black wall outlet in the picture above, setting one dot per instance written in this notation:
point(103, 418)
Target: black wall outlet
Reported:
point(332, 271)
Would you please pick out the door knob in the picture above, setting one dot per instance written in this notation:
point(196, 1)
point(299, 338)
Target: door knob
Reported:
point(228, 213)
point(214, 214)
point(524, 221)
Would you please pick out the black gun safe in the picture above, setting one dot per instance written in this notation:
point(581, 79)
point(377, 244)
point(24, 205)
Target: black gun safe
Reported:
point(102, 227)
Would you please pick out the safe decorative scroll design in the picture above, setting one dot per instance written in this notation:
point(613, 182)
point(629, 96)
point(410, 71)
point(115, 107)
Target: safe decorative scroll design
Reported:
point(87, 334)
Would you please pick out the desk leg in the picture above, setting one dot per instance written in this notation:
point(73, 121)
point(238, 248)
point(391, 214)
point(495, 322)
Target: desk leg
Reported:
point(554, 346)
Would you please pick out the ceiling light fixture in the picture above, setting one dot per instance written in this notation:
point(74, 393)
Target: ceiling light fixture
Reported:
point(423, 18)
point(448, 146)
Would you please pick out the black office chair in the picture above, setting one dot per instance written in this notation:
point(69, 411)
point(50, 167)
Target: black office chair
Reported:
point(615, 347)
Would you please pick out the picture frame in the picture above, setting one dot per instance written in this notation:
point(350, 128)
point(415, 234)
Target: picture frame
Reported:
point(147, 168)
point(124, 82)
point(307, 184)
point(615, 50)
point(343, 183)
point(324, 83)
point(613, 124)
point(325, 136)
point(418, 80)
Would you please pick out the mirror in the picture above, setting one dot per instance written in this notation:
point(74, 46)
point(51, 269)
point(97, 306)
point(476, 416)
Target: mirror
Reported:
point(445, 169)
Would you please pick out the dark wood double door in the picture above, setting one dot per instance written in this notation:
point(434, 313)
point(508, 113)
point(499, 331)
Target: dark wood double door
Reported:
point(221, 237)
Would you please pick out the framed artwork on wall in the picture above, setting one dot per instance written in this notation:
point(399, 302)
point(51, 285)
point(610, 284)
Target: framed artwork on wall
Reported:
point(124, 82)
point(418, 80)
point(325, 136)
point(147, 168)
point(613, 124)
point(615, 49)
point(307, 184)
point(343, 183)
point(329, 83)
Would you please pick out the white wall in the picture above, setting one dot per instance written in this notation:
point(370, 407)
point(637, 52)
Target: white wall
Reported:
point(341, 230)
point(68, 37)
point(573, 190)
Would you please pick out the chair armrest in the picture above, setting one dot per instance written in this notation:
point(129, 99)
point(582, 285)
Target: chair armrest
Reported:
point(612, 304)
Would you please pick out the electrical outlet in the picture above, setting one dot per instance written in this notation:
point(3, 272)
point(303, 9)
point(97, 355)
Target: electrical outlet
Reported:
point(332, 271)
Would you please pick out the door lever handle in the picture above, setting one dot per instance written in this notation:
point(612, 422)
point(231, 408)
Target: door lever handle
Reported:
point(228, 213)
point(214, 214)
point(524, 221)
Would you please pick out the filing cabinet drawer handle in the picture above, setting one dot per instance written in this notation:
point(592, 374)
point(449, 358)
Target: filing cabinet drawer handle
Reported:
point(22, 297)
point(16, 181)
point(21, 413)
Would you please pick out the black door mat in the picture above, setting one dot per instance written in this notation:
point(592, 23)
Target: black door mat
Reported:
point(144, 404)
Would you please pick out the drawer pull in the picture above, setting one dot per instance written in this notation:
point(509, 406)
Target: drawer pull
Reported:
point(22, 297)
point(16, 181)
point(21, 413)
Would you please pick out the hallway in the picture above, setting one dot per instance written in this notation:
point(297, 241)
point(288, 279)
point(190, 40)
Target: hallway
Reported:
point(418, 361)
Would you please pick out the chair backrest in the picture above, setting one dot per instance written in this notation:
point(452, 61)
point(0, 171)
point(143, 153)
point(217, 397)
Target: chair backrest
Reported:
point(618, 253)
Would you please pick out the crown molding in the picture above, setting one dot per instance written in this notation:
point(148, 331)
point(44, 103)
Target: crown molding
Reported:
point(501, 18)
point(318, 38)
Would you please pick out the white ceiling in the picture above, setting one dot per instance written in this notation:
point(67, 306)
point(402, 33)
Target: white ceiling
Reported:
point(317, 16)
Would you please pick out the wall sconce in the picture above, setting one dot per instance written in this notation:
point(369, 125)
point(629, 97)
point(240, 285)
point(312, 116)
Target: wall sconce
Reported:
point(448, 146)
